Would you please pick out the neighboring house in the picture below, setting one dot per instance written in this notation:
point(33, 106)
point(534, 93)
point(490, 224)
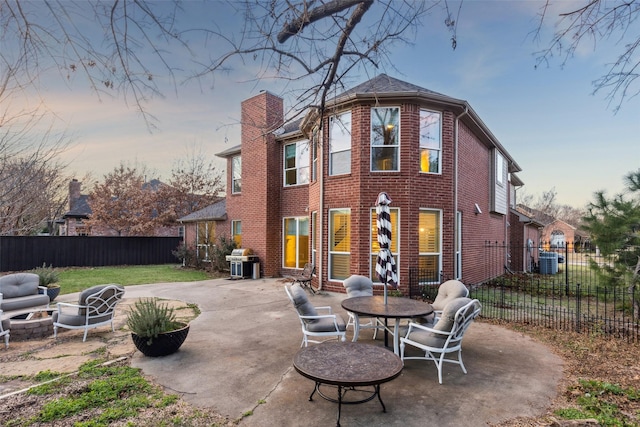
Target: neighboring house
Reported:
point(524, 240)
point(202, 228)
point(558, 234)
point(295, 198)
point(79, 211)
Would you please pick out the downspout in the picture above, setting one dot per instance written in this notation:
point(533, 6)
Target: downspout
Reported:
point(455, 188)
point(320, 219)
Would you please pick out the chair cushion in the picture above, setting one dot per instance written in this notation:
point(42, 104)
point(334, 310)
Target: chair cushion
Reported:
point(82, 299)
point(445, 324)
point(77, 319)
point(448, 291)
point(358, 286)
point(302, 304)
point(24, 302)
point(326, 325)
point(19, 285)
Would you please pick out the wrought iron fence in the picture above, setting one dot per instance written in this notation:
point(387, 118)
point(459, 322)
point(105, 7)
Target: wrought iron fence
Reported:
point(567, 294)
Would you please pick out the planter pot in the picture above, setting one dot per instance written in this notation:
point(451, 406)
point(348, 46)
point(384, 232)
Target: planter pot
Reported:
point(165, 344)
point(52, 292)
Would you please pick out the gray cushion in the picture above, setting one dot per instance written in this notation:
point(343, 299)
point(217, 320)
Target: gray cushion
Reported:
point(326, 324)
point(446, 322)
point(21, 303)
point(358, 286)
point(82, 299)
point(448, 291)
point(77, 319)
point(302, 304)
point(19, 285)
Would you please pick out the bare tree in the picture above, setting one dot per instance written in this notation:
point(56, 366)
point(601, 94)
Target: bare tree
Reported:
point(194, 184)
point(591, 22)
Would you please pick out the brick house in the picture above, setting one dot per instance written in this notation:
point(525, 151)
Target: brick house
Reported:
point(297, 197)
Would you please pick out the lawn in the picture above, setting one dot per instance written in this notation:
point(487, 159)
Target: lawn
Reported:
point(77, 279)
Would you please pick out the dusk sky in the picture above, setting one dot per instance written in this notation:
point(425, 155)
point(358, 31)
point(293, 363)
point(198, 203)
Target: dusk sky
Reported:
point(560, 133)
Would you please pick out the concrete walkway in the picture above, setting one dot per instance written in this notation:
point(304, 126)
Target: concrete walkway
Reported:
point(238, 356)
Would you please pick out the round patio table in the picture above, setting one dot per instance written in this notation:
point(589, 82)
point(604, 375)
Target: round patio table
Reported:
point(348, 366)
point(395, 308)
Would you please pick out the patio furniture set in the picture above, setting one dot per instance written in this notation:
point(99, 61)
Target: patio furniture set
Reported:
point(28, 312)
point(435, 329)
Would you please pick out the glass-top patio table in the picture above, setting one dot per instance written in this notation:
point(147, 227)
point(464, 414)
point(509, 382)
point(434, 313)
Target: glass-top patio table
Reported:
point(395, 308)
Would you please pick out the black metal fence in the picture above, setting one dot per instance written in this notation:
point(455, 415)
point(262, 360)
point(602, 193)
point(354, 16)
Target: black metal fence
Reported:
point(18, 253)
point(566, 293)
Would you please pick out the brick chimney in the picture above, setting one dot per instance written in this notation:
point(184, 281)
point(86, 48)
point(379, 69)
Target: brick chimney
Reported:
point(75, 187)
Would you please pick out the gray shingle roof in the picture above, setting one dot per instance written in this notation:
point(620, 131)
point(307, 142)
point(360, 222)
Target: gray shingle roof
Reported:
point(214, 212)
point(386, 84)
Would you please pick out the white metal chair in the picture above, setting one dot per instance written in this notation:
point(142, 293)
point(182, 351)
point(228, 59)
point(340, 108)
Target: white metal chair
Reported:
point(315, 324)
point(445, 337)
point(447, 292)
point(4, 327)
point(96, 307)
point(360, 286)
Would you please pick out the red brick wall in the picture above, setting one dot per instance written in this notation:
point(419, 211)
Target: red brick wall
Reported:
point(258, 206)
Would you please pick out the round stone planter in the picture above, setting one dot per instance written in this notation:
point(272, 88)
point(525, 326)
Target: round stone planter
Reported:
point(165, 344)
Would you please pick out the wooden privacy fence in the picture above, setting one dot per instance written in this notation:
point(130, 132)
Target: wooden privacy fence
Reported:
point(18, 253)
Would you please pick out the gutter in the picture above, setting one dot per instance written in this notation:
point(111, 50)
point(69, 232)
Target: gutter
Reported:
point(455, 189)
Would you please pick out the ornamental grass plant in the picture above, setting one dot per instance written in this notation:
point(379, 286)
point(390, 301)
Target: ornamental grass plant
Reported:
point(148, 318)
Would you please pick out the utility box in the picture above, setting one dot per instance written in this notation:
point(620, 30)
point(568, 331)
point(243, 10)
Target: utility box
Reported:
point(548, 263)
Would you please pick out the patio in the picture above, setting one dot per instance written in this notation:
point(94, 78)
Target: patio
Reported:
point(248, 328)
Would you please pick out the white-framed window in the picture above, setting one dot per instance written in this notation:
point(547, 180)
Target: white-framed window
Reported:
point(236, 174)
point(296, 242)
point(206, 237)
point(500, 189)
point(394, 213)
point(385, 139)
point(340, 144)
point(430, 141)
point(339, 243)
point(314, 237)
point(314, 156)
point(236, 232)
point(430, 244)
point(296, 163)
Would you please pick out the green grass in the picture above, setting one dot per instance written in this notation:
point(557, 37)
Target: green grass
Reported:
point(77, 279)
point(601, 400)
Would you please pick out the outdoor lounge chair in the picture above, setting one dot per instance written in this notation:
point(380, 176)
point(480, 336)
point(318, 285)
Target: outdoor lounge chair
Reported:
point(96, 307)
point(447, 292)
point(4, 327)
point(360, 286)
point(445, 337)
point(305, 276)
point(314, 324)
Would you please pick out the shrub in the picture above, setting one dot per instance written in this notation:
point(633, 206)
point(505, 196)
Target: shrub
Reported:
point(148, 318)
point(48, 276)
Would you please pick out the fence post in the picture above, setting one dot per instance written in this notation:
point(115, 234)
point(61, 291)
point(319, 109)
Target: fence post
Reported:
point(578, 308)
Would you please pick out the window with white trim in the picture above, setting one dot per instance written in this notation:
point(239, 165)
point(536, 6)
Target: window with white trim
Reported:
point(236, 232)
point(296, 163)
point(385, 139)
point(340, 144)
point(339, 243)
point(430, 244)
point(236, 174)
point(430, 141)
point(296, 242)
